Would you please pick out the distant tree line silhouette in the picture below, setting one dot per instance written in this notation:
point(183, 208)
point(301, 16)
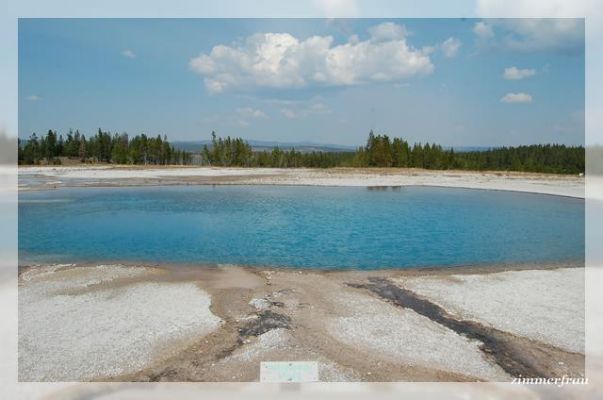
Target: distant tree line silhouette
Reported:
point(380, 151)
point(100, 148)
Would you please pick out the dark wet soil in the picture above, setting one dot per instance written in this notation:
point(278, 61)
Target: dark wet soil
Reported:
point(266, 321)
point(508, 351)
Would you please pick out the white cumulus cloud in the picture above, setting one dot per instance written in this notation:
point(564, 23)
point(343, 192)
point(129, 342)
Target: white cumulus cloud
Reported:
point(516, 98)
point(451, 46)
point(280, 60)
point(533, 34)
point(248, 112)
point(387, 31)
point(303, 110)
point(483, 30)
point(514, 73)
point(537, 34)
point(128, 53)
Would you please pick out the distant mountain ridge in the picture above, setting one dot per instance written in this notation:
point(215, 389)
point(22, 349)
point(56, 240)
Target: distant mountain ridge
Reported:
point(260, 145)
point(303, 147)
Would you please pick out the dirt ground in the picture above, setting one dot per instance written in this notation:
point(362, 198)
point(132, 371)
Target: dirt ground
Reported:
point(358, 325)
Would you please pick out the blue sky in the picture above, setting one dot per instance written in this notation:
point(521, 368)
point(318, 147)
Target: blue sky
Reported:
point(459, 82)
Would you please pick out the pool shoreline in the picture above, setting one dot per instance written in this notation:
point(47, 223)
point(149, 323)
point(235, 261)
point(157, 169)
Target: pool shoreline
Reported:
point(52, 177)
point(482, 268)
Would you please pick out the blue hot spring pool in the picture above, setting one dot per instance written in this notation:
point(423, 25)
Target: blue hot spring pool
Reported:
point(308, 227)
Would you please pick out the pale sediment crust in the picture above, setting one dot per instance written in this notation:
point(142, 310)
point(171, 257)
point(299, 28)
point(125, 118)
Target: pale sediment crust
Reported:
point(217, 323)
point(41, 178)
point(80, 323)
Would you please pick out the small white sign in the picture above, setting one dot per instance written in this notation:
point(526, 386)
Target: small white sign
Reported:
point(288, 371)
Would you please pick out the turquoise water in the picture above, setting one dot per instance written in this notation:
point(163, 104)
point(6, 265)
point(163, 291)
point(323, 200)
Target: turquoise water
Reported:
point(310, 227)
